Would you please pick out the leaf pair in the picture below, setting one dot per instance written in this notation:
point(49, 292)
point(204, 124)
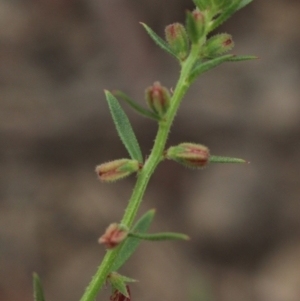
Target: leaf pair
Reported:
point(138, 233)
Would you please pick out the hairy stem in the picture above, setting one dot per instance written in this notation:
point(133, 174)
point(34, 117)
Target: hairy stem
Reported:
point(145, 174)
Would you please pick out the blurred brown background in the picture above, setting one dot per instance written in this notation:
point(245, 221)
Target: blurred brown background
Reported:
point(56, 57)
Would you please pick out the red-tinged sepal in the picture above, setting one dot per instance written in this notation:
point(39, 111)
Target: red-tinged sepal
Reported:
point(189, 154)
point(158, 99)
point(113, 236)
point(117, 169)
point(177, 39)
point(195, 25)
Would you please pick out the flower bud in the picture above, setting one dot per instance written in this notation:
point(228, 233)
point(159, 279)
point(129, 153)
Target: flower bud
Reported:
point(217, 45)
point(117, 169)
point(177, 39)
point(113, 236)
point(189, 154)
point(158, 99)
point(195, 24)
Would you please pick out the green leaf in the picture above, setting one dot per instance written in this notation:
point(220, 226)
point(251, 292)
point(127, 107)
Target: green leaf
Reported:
point(131, 243)
point(202, 4)
point(159, 236)
point(159, 41)
point(126, 279)
point(202, 67)
point(239, 58)
point(219, 159)
point(244, 3)
point(135, 105)
point(38, 292)
point(226, 14)
point(124, 128)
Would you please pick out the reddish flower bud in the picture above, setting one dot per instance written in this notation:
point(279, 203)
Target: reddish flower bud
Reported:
point(118, 296)
point(189, 154)
point(117, 169)
point(177, 39)
point(113, 236)
point(195, 24)
point(217, 45)
point(158, 98)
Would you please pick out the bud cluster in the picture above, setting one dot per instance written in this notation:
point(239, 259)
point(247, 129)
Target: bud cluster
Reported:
point(198, 25)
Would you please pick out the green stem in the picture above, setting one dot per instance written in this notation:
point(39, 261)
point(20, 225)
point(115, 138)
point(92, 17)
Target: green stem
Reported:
point(145, 174)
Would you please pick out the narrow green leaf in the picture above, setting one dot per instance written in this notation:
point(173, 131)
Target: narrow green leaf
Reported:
point(226, 14)
point(219, 159)
point(131, 243)
point(158, 40)
point(159, 236)
point(38, 292)
point(202, 67)
point(135, 105)
point(244, 3)
point(126, 279)
point(202, 4)
point(239, 58)
point(124, 128)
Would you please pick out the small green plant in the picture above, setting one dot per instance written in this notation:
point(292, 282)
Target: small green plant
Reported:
point(196, 53)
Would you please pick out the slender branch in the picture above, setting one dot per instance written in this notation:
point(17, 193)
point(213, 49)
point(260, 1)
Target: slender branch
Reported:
point(145, 174)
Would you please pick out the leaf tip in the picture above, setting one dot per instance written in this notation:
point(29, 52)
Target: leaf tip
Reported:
point(106, 92)
point(152, 211)
point(243, 161)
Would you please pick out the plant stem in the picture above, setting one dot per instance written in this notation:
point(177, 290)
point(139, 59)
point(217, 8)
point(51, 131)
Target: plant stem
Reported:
point(145, 174)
